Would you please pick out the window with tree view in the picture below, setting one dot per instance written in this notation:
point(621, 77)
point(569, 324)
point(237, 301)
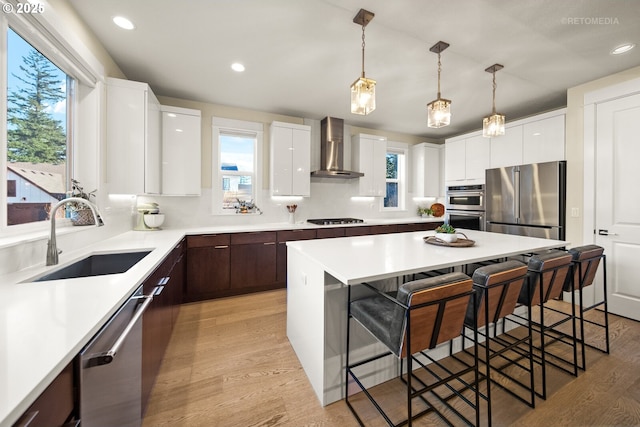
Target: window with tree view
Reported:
point(38, 100)
point(395, 180)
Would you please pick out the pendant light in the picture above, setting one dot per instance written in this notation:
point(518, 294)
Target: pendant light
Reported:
point(363, 90)
point(493, 125)
point(439, 111)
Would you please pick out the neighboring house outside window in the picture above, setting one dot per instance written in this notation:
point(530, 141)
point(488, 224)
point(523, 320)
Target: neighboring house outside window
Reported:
point(236, 158)
point(396, 161)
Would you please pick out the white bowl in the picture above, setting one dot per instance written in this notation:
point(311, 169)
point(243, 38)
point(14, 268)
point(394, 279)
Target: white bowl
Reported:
point(154, 220)
point(447, 237)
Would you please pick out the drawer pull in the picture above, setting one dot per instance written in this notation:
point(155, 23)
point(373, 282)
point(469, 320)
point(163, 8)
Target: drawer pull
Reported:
point(27, 419)
point(221, 247)
point(269, 243)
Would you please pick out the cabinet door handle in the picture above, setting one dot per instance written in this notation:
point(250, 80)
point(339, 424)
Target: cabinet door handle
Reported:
point(269, 243)
point(221, 247)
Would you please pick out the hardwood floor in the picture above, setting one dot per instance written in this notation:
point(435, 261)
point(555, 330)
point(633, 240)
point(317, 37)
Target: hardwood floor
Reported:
point(229, 363)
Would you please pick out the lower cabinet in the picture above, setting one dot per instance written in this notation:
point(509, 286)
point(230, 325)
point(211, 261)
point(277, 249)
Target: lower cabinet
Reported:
point(419, 226)
point(208, 267)
point(221, 265)
point(253, 261)
point(55, 406)
point(327, 233)
point(157, 322)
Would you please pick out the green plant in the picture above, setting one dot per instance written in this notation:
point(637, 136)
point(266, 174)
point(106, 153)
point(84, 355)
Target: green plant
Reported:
point(424, 211)
point(445, 228)
point(78, 191)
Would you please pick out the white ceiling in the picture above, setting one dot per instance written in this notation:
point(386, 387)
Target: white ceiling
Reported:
point(301, 56)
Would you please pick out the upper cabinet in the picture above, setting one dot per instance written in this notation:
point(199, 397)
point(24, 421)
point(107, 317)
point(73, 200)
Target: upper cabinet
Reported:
point(544, 140)
point(466, 159)
point(290, 159)
point(426, 169)
point(133, 138)
point(506, 150)
point(369, 157)
point(181, 152)
point(536, 139)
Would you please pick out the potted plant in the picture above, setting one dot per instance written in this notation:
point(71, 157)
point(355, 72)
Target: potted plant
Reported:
point(446, 233)
point(425, 212)
point(80, 213)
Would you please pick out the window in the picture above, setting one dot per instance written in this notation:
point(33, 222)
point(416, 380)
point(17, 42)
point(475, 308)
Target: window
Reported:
point(39, 97)
point(396, 179)
point(236, 178)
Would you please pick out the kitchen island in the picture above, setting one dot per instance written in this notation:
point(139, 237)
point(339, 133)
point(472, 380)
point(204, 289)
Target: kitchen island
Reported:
point(319, 272)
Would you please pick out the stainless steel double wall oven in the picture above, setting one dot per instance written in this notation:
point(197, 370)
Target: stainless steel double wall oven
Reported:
point(466, 206)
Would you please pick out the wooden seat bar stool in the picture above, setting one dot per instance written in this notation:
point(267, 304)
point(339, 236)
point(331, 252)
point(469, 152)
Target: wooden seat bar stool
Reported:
point(421, 315)
point(497, 289)
point(585, 262)
point(545, 280)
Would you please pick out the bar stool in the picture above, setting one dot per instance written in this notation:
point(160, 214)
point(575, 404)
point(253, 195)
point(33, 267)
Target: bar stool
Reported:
point(545, 279)
point(585, 262)
point(420, 316)
point(497, 289)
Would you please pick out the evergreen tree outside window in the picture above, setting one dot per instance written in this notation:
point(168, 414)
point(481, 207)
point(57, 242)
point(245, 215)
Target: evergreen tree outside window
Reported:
point(38, 98)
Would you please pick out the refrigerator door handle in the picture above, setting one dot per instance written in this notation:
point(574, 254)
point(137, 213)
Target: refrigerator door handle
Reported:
point(516, 194)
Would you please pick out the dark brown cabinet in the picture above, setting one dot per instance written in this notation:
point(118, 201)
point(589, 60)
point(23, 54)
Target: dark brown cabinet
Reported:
point(281, 257)
point(221, 265)
point(419, 226)
point(208, 266)
point(327, 233)
point(357, 231)
point(166, 284)
point(253, 261)
point(384, 229)
point(55, 406)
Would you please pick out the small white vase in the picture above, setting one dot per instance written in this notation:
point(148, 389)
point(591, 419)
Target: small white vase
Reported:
point(292, 217)
point(447, 237)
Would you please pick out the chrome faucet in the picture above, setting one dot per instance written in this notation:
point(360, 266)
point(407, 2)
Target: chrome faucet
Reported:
point(52, 249)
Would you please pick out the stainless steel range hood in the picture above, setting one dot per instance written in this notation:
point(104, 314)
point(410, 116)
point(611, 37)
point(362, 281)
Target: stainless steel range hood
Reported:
point(332, 151)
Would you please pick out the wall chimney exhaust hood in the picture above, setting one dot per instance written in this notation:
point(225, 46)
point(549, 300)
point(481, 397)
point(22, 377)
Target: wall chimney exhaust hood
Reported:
point(332, 151)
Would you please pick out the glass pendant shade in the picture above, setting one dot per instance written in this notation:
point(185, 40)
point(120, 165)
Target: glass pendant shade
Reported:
point(439, 113)
point(363, 96)
point(493, 125)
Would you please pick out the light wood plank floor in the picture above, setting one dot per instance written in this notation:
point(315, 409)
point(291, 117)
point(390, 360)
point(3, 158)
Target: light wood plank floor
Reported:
point(229, 363)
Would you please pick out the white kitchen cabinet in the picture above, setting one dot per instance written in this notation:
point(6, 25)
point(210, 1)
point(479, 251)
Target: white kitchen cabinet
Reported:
point(426, 170)
point(506, 150)
point(466, 159)
point(370, 158)
point(544, 140)
point(290, 159)
point(133, 138)
point(181, 151)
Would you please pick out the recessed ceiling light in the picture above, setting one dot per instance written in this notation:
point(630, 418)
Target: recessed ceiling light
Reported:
point(236, 66)
point(623, 48)
point(123, 22)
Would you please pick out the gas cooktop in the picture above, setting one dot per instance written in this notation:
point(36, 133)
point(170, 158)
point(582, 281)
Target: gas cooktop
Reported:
point(333, 221)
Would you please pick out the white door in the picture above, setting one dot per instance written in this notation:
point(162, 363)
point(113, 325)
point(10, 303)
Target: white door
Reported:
point(617, 212)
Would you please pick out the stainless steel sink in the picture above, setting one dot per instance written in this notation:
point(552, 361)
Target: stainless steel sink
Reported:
point(96, 265)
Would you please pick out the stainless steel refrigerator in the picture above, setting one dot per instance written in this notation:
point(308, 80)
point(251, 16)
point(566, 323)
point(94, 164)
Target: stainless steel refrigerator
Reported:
point(527, 200)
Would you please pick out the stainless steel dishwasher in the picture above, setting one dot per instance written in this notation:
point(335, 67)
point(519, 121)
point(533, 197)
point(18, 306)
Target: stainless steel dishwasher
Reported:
point(111, 369)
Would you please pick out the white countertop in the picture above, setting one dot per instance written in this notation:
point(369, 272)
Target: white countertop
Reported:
point(43, 325)
point(359, 259)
